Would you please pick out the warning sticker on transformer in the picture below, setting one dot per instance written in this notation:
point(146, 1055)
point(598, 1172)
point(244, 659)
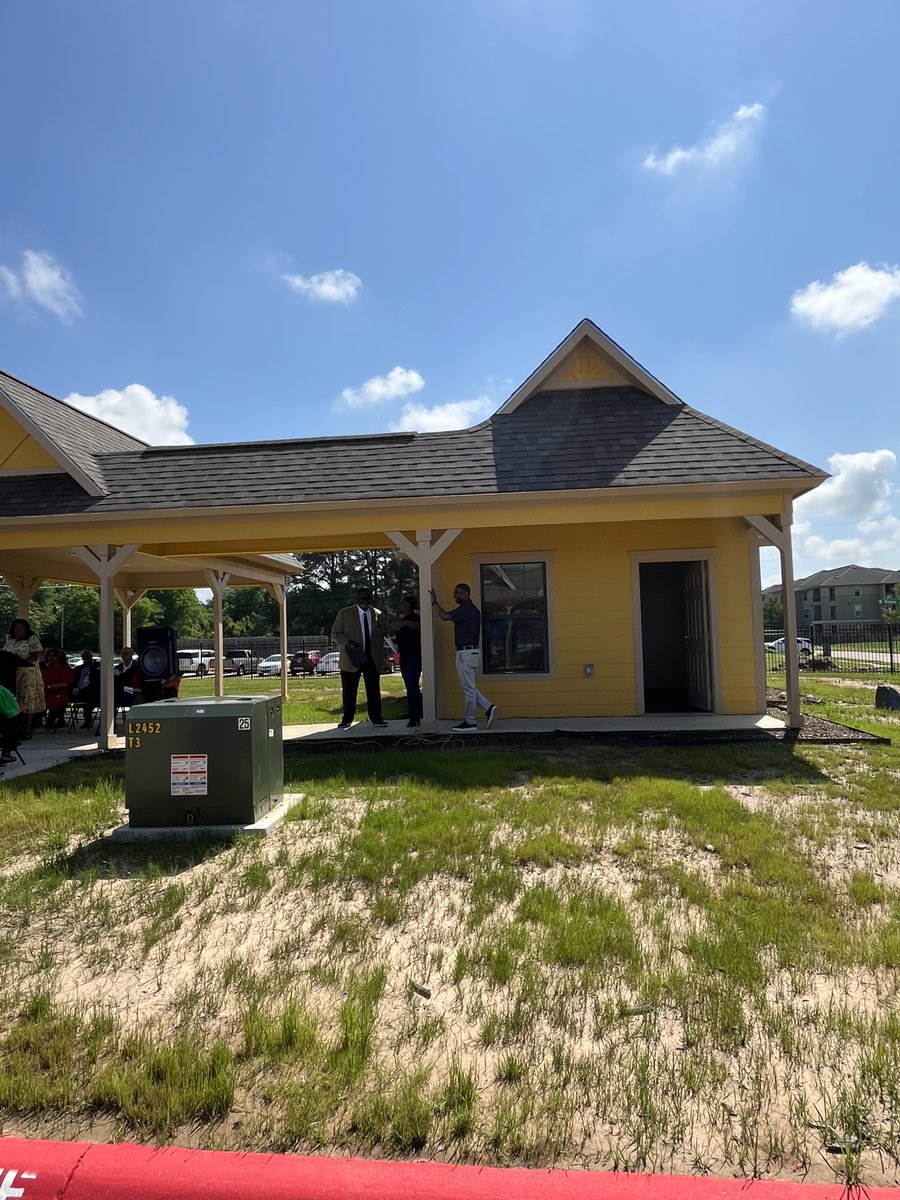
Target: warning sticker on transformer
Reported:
point(189, 774)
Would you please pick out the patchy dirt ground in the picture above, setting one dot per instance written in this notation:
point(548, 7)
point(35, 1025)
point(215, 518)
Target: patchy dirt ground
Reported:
point(582, 1071)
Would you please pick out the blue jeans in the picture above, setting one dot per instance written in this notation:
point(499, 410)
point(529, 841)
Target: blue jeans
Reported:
point(411, 669)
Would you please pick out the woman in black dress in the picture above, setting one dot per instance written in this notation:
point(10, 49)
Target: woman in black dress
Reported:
point(408, 636)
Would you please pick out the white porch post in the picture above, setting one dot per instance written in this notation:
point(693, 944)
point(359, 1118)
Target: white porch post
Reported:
point(425, 555)
point(780, 536)
point(218, 581)
point(280, 593)
point(128, 598)
point(23, 588)
point(105, 561)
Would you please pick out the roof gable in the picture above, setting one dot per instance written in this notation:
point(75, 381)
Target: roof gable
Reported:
point(47, 433)
point(588, 358)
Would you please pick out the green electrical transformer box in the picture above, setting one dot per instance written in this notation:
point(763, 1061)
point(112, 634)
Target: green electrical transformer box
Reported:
point(207, 761)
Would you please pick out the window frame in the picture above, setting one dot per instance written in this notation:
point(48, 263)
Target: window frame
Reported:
point(503, 558)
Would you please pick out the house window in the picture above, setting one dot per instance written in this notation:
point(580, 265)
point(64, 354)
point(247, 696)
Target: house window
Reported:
point(857, 610)
point(817, 593)
point(817, 612)
point(514, 612)
point(834, 612)
point(856, 592)
point(831, 595)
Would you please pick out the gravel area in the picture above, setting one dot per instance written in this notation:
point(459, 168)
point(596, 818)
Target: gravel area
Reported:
point(815, 729)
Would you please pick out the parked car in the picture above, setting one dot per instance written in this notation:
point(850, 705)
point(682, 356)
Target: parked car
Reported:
point(196, 662)
point(273, 665)
point(328, 663)
point(304, 662)
point(391, 662)
point(239, 662)
point(804, 645)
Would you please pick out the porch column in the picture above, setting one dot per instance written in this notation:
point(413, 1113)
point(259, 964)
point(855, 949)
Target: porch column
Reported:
point(218, 581)
point(127, 599)
point(105, 561)
point(278, 592)
point(780, 536)
point(425, 555)
point(23, 587)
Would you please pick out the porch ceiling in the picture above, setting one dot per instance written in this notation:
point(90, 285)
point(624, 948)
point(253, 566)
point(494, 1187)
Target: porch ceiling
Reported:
point(144, 570)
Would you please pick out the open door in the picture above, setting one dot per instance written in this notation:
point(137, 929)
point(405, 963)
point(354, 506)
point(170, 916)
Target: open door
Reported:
point(676, 654)
point(696, 609)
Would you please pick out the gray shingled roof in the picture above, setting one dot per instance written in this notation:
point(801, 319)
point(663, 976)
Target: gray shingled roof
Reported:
point(852, 576)
point(82, 438)
point(559, 440)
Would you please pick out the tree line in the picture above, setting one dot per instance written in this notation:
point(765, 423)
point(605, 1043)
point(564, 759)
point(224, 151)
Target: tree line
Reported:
point(68, 615)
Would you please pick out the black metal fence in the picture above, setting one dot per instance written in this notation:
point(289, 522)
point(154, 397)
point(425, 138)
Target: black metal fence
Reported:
point(853, 648)
point(254, 650)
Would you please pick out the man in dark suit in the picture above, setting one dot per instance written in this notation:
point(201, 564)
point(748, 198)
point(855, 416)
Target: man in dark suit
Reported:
point(85, 691)
point(359, 631)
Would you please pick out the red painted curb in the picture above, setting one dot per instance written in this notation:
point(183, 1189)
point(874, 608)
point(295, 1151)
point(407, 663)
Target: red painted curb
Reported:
point(32, 1170)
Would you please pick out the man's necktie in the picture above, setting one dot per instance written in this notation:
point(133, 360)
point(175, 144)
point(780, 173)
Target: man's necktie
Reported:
point(367, 645)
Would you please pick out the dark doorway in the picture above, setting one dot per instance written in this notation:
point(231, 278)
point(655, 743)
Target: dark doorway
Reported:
point(675, 636)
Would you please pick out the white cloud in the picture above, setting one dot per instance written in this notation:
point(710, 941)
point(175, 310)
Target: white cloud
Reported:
point(457, 414)
point(724, 144)
point(848, 519)
point(859, 489)
point(382, 389)
point(45, 282)
point(159, 420)
point(854, 299)
point(334, 287)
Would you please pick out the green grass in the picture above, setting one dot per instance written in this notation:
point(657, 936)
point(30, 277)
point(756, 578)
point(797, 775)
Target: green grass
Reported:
point(312, 700)
point(645, 958)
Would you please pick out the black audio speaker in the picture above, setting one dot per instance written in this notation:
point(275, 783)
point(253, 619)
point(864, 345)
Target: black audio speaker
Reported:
point(157, 652)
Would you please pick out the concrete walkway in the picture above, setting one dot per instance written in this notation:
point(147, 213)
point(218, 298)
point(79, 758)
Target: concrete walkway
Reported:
point(49, 750)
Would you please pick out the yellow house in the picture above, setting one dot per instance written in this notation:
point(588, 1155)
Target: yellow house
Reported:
point(610, 532)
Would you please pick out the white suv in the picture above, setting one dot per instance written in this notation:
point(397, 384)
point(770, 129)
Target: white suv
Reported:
point(195, 662)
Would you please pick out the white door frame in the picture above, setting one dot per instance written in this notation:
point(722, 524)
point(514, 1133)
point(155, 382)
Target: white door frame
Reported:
point(706, 555)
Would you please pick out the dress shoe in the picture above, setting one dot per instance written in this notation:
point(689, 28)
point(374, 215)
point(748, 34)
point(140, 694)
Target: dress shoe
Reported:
point(344, 724)
point(413, 724)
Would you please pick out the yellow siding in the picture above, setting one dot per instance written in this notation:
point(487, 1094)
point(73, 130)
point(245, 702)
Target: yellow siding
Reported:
point(592, 614)
point(18, 450)
point(227, 532)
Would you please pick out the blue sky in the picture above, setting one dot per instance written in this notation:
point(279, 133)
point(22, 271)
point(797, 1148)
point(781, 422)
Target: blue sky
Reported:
point(225, 221)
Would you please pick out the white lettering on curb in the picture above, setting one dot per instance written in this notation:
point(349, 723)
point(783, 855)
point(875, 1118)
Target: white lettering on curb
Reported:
point(7, 1191)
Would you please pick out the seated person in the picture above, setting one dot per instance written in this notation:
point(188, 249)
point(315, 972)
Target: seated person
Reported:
point(86, 688)
point(162, 689)
point(58, 679)
point(9, 725)
point(128, 681)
